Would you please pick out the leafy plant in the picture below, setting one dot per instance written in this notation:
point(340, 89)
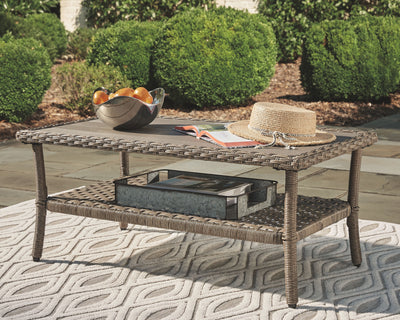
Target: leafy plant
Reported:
point(126, 46)
point(216, 57)
point(106, 13)
point(292, 18)
point(79, 80)
point(357, 59)
point(78, 42)
point(25, 8)
point(48, 29)
point(7, 23)
point(23, 80)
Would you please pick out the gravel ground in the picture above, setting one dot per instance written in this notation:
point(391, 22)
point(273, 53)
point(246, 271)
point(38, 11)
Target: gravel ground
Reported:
point(285, 87)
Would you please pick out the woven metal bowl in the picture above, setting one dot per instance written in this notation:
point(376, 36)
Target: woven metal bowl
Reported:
point(127, 113)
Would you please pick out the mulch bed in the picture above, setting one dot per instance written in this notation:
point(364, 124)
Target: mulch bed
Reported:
point(285, 87)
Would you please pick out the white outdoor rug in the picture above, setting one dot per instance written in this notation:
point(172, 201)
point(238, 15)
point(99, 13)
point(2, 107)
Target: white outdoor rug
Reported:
point(92, 270)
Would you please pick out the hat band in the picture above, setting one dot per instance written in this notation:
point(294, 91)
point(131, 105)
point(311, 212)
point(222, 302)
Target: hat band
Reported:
point(280, 135)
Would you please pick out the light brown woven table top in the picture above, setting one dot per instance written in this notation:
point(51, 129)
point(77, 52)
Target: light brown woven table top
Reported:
point(161, 139)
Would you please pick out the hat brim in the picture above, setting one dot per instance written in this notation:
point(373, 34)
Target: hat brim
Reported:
point(241, 129)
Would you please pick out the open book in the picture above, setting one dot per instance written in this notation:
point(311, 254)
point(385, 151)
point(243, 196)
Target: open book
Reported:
point(218, 134)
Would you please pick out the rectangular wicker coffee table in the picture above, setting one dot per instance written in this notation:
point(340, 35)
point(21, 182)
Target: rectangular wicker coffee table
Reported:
point(293, 218)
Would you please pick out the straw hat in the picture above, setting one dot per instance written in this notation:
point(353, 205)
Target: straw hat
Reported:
point(282, 125)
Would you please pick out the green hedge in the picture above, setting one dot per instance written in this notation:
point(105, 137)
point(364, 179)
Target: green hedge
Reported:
point(216, 57)
point(127, 46)
point(292, 18)
point(46, 28)
point(356, 59)
point(24, 8)
point(102, 13)
point(25, 75)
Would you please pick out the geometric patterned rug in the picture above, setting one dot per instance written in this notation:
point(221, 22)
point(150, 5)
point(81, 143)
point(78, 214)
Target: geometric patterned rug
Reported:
point(90, 269)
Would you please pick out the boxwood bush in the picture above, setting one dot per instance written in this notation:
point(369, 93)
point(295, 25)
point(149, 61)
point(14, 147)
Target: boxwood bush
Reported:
point(48, 29)
point(216, 57)
point(127, 46)
point(25, 75)
point(292, 18)
point(101, 14)
point(357, 59)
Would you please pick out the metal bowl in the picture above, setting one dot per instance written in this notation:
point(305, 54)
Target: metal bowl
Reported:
point(127, 113)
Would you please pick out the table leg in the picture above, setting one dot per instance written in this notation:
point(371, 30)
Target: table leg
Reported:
point(124, 171)
point(41, 198)
point(352, 220)
point(290, 238)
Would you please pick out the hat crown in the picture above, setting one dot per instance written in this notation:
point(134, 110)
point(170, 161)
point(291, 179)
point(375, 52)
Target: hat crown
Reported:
point(270, 117)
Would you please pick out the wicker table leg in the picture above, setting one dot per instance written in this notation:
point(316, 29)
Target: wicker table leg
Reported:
point(290, 238)
point(352, 220)
point(124, 171)
point(41, 198)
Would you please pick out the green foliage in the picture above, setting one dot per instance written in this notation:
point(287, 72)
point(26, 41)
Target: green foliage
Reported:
point(217, 57)
point(78, 81)
point(357, 59)
point(127, 46)
point(7, 23)
point(292, 18)
point(24, 8)
point(78, 42)
point(48, 29)
point(105, 13)
point(25, 75)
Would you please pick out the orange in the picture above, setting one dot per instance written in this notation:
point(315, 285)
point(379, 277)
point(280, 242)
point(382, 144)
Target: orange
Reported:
point(142, 94)
point(112, 95)
point(125, 92)
point(100, 97)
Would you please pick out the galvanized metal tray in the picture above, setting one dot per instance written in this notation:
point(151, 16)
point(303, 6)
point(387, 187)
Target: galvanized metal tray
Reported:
point(143, 191)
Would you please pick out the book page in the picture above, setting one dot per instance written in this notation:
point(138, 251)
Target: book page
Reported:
point(217, 134)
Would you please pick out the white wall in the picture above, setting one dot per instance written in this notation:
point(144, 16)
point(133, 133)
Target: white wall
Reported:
point(250, 5)
point(72, 14)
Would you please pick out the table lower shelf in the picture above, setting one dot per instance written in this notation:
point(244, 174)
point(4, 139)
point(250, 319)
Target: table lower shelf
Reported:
point(266, 226)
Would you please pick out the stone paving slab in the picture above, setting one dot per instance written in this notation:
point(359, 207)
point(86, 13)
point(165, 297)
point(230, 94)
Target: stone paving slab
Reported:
point(10, 197)
point(368, 164)
point(383, 149)
point(369, 182)
point(375, 207)
point(20, 181)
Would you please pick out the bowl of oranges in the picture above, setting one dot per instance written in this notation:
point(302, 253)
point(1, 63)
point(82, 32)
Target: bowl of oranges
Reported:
point(127, 108)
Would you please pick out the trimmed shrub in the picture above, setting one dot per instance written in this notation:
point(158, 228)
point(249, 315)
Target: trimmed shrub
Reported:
point(48, 29)
point(25, 76)
point(212, 58)
point(292, 18)
point(78, 42)
point(356, 59)
point(127, 46)
point(78, 81)
point(101, 14)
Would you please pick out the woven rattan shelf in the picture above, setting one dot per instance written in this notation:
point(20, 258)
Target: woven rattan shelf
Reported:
point(291, 219)
point(265, 226)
